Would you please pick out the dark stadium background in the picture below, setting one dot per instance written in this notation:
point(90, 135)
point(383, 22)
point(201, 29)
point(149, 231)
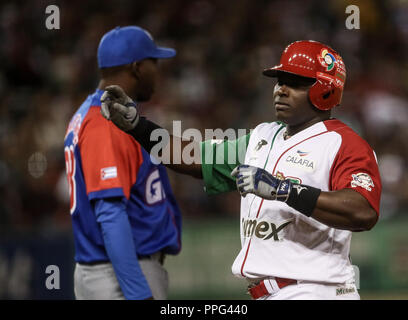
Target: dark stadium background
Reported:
point(214, 81)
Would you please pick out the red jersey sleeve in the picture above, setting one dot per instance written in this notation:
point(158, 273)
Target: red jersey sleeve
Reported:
point(110, 158)
point(355, 167)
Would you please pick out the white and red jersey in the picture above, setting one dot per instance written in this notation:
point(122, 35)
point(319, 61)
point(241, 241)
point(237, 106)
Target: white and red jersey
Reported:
point(279, 241)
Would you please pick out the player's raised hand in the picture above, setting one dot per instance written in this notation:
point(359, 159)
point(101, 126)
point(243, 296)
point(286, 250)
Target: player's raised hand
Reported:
point(119, 108)
point(258, 181)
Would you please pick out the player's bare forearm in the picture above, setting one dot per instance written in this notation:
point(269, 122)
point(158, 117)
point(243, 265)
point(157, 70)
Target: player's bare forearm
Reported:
point(345, 209)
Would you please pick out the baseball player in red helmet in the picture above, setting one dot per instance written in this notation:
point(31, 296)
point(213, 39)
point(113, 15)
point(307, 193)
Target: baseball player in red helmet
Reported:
point(307, 180)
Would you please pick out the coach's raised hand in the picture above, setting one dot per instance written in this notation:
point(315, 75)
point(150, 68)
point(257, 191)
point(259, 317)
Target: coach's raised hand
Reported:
point(119, 108)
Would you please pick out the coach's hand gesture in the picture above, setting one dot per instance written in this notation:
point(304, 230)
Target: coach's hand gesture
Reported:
point(119, 108)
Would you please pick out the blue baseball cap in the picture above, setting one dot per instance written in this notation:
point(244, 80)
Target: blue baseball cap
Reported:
point(125, 45)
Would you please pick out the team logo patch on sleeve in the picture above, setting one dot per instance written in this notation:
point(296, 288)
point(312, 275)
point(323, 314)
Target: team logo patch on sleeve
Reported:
point(261, 144)
point(362, 180)
point(109, 173)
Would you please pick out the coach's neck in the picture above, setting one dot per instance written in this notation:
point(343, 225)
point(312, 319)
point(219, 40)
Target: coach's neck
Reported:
point(123, 79)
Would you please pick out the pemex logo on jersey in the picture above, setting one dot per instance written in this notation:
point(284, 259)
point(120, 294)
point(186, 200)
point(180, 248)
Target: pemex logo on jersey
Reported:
point(262, 229)
point(154, 192)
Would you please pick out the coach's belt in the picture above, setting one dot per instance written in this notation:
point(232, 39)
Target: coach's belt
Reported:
point(268, 286)
point(93, 263)
point(158, 256)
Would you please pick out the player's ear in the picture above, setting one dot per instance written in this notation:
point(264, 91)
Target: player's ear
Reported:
point(135, 69)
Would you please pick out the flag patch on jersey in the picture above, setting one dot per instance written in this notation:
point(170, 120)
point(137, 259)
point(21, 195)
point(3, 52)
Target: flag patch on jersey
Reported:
point(109, 173)
point(362, 180)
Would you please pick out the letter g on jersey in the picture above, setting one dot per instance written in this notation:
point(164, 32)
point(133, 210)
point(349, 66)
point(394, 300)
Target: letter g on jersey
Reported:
point(154, 191)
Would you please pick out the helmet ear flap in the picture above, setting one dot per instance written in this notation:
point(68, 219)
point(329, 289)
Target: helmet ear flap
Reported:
point(324, 95)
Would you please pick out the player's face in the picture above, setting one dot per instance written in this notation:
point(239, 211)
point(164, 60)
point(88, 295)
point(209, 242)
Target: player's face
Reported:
point(146, 81)
point(291, 101)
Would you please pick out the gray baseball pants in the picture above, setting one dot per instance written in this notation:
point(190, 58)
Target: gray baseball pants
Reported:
point(99, 282)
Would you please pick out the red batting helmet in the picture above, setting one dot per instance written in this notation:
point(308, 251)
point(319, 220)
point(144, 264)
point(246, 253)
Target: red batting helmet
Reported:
point(316, 60)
